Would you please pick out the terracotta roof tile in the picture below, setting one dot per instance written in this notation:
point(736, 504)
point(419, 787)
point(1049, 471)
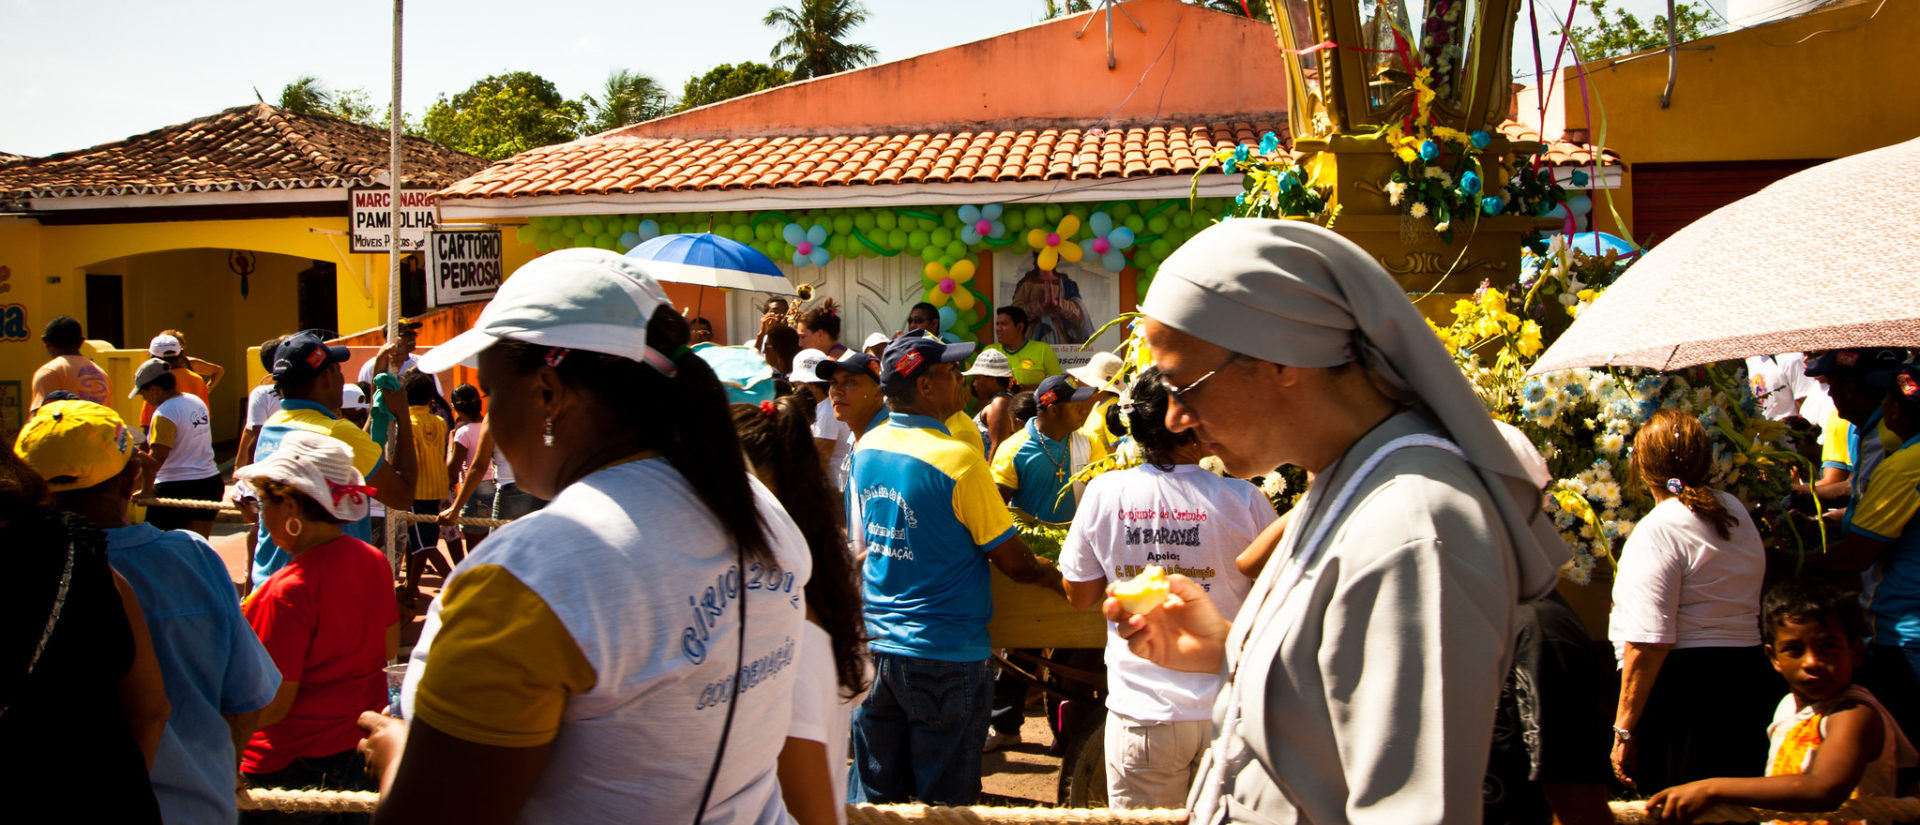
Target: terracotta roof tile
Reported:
point(239, 149)
point(625, 165)
point(1560, 152)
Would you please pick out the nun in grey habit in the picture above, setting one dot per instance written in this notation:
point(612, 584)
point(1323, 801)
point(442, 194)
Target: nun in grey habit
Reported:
point(1364, 668)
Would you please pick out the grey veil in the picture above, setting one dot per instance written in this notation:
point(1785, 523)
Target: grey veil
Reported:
point(1293, 293)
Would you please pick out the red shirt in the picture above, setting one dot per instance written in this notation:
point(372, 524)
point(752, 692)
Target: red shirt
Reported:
point(324, 620)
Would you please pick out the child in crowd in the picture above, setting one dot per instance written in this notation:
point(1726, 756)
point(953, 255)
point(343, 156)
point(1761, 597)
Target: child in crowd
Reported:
point(430, 484)
point(1831, 739)
point(461, 448)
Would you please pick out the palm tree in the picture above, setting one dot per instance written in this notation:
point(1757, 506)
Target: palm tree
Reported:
point(307, 95)
point(1257, 9)
point(1056, 8)
point(629, 97)
point(813, 44)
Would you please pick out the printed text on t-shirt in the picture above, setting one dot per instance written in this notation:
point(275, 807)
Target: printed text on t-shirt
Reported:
point(713, 602)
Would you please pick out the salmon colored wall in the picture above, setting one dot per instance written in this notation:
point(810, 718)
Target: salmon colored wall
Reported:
point(1834, 95)
point(1036, 74)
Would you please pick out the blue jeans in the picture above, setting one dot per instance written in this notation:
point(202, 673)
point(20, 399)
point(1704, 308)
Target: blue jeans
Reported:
point(917, 736)
point(510, 502)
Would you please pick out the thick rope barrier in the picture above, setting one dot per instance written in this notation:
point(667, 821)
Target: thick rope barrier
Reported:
point(1886, 809)
point(224, 510)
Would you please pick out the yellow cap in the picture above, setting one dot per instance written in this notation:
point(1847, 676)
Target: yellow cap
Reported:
point(75, 444)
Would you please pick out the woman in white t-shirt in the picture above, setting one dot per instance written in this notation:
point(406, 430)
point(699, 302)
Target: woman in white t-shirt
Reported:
point(629, 651)
point(833, 667)
point(1696, 690)
point(181, 441)
point(1172, 513)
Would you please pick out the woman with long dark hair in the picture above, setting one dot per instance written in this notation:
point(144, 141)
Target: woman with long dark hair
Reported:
point(1695, 686)
point(833, 670)
point(628, 650)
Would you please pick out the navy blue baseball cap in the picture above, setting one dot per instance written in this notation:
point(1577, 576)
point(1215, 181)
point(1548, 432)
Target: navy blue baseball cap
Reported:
point(909, 356)
point(1058, 389)
point(856, 363)
point(303, 355)
point(1873, 364)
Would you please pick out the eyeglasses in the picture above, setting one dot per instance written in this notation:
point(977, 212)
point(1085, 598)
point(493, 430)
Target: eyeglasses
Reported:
point(1179, 394)
point(920, 319)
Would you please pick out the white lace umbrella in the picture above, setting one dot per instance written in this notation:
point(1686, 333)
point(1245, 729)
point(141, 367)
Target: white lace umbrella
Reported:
point(1828, 257)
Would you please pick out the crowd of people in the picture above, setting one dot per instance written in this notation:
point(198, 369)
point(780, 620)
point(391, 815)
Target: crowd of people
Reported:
point(710, 611)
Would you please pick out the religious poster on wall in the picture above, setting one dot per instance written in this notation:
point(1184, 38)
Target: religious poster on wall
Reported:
point(1064, 307)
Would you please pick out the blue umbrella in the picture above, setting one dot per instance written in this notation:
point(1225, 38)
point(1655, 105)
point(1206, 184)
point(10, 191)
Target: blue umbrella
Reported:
point(742, 370)
point(1600, 243)
point(706, 259)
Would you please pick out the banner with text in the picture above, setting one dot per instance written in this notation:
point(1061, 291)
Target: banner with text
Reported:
point(463, 267)
point(373, 219)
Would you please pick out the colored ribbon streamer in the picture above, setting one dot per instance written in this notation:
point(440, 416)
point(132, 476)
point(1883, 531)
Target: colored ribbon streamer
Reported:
point(357, 491)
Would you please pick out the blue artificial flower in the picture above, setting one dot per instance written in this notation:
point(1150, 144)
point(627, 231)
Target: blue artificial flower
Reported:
point(1228, 167)
point(1579, 179)
point(1287, 180)
point(1470, 183)
point(1534, 390)
point(1481, 139)
point(1430, 150)
point(1576, 390)
point(1240, 199)
point(1491, 205)
point(1268, 143)
point(1241, 152)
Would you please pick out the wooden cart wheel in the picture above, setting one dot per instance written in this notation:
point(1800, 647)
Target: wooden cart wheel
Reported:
point(1083, 769)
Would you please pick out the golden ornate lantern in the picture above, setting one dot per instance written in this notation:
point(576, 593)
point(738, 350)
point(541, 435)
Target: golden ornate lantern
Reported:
point(1385, 97)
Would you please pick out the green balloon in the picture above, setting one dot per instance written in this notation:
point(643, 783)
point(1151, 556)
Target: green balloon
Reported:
point(1182, 220)
point(608, 242)
point(968, 318)
point(837, 245)
point(543, 243)
point(570, 227)
point(897, 240)
point(947, 261)
point(763, 231)
point(932, 253)
point(842, 224)
point(1157, 225)
point(1054, 212)
point(1120, 211)
point(524, 235)
point(1015, 219)
point(956, 249)
point(1161, 249)
point(918, 238)
point(885, 219)
point(1036, 217)
point(1136, 223)
point(593, 225)
point(940, 236)
point(863, 221)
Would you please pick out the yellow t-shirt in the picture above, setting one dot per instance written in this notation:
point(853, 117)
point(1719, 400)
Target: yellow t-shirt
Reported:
point(1096, 426)
point(1835, 453)
point(429, 454)
point(1031, 363)
point(960, 426)
point(503, 668)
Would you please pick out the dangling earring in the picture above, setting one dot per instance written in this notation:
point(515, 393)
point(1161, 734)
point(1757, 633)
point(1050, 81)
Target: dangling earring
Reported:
point(547, 437)
point(294, 526)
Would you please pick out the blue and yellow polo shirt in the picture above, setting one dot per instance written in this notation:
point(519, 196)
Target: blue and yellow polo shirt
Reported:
point(926, 512)
point(1885, 512)
point(1035, 469)
point(300, 414)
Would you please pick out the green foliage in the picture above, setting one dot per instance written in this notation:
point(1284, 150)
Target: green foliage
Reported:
point(504, 115)
point(1056, 8)
point(729, 80)
point(629, 97)
point(1622, 33)
point(308, 95)
point(1257, 8)
point(814, 41)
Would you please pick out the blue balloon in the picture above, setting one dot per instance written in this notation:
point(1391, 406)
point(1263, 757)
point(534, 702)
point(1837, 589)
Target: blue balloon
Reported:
point(991, 211)
point(649, 229)
point(949, 337)
point(969, 214)
point(629, 240)
point(1121, 238)
point(793, 234)
point(1100, 223)
point(818, 234)
point(948, 315)
point(1114, 261)
point(968, 235)
point(820, 256)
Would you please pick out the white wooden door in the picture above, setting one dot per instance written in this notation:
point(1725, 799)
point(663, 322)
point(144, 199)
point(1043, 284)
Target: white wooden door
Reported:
point(874, 295)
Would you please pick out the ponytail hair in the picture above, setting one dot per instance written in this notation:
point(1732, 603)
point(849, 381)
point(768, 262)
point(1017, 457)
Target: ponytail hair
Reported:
point(1672, 453)
point(1145, 418)
point(823, 318)
point(777, 437)
point(683, 417)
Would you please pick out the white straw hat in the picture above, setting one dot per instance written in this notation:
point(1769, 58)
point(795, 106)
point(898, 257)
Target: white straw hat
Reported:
point(803, 364)
point(321, 468)
point(991, 363)
point(1099, 371)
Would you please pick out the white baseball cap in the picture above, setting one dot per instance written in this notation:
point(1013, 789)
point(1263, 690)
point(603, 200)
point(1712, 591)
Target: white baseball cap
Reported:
point(876, 339)
point(1099, 371)
point(585, 299)
point(352, 398)
point(803, 364)
point(164, 346)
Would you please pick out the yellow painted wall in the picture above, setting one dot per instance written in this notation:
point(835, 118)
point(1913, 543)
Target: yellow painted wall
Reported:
point(1833, 95)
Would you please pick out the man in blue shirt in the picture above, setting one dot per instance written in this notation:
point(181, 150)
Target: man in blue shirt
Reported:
point(1037, 463)
point(929, 519)
point(218, 676)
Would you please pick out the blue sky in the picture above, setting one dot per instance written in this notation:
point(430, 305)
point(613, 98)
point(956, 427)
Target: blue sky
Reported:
point(82, 73)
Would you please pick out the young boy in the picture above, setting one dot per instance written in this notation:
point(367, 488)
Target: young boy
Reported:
point(430, 487)
point(1832, 740)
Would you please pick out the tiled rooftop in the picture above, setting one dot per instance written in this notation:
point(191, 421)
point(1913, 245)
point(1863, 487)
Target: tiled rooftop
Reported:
point(622, 165)
point(243, 148)
point(9, 157)
point(1560, 152)
point(617, 164)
